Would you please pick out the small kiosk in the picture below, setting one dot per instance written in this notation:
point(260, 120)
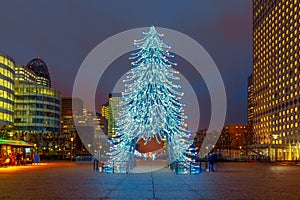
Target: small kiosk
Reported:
point(16, 152)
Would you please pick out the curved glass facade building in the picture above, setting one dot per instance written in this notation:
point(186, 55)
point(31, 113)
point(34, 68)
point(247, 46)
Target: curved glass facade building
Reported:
point(7, 65)
point(37, 105)
point(37, 108)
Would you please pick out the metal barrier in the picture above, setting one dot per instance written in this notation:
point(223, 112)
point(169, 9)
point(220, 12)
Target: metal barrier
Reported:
point(189, 168)
point(84, 158)
point(122, 167)
point(126, 166)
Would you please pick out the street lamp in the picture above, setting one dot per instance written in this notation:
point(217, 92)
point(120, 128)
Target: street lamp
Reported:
point(275, 137)
point(71, 146)
point(89, 146)
point(35, 148)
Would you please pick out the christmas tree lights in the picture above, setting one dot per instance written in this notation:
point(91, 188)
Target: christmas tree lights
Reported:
point(151, 107)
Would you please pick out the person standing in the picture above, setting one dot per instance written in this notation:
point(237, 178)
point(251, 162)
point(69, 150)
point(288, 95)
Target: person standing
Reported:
point(211, 161)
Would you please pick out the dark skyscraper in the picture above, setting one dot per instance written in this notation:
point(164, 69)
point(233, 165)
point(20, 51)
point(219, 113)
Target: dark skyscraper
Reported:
point(68, 103)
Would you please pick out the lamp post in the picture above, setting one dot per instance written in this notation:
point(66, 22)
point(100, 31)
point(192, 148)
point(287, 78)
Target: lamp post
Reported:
point(35, 148)
point(89, 146)
point(275, 137)
point(71, 147)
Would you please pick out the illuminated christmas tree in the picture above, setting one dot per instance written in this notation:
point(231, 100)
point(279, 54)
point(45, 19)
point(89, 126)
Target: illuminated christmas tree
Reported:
point(151, 107)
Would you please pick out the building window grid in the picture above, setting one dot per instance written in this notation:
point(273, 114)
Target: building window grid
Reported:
point(289, 62)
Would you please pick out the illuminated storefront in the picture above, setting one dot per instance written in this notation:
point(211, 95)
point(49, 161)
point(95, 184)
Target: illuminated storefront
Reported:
point(9, 149)
point(13, 146)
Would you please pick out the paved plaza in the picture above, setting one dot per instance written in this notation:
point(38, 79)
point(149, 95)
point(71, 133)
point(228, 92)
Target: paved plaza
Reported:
point(66, 180)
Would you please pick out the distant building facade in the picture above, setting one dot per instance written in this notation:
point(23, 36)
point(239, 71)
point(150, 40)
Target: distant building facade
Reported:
point(199, 138)
point(71, 106)
point(110, 112)
point(89, 125)
point(69, 136)
point(236, 136)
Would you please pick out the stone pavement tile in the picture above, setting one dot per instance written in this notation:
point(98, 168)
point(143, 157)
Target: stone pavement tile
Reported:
point(165, 177)
point(176, 186)
point(147, 174)
point(101, 180)
point(178, 194)
point(203, 184)
point(123, 187)
point(128, 195)
point(136, 178)
point(165, 180)
point(105, 176)
point(223, 195)
point(105, 187)
point(137, 181)
point(212, 195)
point(237, 194)
point(285, 195)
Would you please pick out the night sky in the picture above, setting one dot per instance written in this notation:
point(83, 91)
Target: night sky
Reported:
point(62, 33)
